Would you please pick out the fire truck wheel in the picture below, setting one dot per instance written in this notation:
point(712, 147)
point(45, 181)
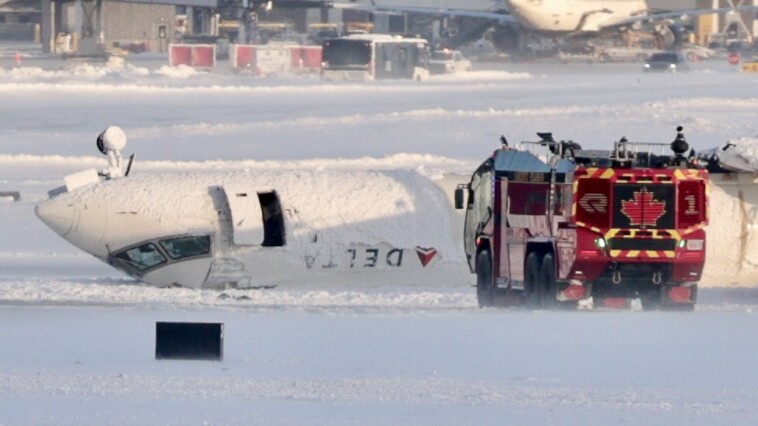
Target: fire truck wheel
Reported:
point(532, 285)
point(547, 279)
point(485, 286)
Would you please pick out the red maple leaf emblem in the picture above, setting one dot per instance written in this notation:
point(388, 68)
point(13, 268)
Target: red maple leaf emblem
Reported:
point(643, 210)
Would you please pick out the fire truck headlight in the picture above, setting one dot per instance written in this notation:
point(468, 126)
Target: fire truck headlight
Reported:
point(600, 243)
point(695, 245)
point(692, 245)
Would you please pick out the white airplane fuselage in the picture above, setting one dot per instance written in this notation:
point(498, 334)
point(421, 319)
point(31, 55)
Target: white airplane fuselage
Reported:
point(564, 16)
point(261, 229)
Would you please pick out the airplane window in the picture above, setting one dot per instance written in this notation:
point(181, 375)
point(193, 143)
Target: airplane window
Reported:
point(178, 248)
point(142, 257)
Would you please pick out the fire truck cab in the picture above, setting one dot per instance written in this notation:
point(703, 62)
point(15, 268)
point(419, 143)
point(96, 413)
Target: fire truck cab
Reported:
point(590, 226)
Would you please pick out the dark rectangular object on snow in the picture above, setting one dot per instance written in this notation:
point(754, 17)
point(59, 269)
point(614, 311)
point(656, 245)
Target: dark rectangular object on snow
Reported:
point(12, 194)
point(187, 340)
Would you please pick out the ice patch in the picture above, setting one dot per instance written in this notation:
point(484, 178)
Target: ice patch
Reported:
point(481, 76)
point(180, 71)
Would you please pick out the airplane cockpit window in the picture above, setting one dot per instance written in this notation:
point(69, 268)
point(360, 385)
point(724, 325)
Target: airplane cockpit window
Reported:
point(190, 246)
point(142, 257)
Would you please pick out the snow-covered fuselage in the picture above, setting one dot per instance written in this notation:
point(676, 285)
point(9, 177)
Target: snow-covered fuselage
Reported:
point(260, 229)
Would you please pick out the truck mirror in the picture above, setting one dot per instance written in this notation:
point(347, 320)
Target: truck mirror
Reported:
point(458, 198)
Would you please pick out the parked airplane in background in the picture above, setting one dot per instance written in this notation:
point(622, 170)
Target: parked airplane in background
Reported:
point(257, 229)
point(498, 14)
point(560, 16)
point(571, 16)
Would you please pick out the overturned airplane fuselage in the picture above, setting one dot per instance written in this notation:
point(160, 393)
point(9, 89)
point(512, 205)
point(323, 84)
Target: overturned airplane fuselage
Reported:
point(262, 229)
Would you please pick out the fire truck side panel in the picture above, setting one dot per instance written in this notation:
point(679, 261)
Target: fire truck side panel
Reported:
point(500, 253)
point(691, 258)
point(565, 251)
point(515, 245)
point(562, 229)
point(523, 206)
point(527, 206)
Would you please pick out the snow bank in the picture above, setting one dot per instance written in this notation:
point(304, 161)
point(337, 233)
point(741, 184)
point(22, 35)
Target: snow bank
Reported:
point(84, 71)
point(127, 292)
point(481, 76)
point(390, 297)
point(425, 164)
point(181, 71)
point(732, 234)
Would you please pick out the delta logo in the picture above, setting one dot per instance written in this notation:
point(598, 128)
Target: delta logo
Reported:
point(425, 255)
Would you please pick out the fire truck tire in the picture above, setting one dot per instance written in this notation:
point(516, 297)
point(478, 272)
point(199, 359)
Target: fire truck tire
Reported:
point(532, 284)
point(485, 285)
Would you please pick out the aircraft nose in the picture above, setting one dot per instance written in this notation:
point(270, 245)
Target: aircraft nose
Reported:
point(59, 216)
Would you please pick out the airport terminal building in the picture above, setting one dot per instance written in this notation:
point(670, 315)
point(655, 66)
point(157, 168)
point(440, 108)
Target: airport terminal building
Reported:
point(138, 25)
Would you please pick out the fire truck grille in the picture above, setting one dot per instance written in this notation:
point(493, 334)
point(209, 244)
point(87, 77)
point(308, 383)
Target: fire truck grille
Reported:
point(639, 244)
point(646, 206)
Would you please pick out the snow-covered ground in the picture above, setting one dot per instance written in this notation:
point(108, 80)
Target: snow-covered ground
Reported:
point(77, 337)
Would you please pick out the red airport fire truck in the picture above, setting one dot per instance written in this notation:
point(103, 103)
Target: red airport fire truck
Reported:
point(594, 227)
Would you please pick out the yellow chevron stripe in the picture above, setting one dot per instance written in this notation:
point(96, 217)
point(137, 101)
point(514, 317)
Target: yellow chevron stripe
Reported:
point(590, 171)
point(607, 174)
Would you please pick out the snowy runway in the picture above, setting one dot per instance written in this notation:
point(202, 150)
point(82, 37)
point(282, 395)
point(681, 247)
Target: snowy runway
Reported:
point(87, 364)
point(77, 337)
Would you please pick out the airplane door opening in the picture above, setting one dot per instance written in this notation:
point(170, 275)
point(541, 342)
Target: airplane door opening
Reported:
point(273, 220)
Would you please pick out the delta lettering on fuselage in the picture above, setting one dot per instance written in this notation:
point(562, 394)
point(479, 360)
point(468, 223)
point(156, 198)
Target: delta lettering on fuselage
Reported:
point(370, 257)
point(375, 257)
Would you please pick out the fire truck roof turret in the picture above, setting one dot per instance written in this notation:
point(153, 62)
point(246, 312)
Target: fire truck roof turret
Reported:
point(680, 145)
